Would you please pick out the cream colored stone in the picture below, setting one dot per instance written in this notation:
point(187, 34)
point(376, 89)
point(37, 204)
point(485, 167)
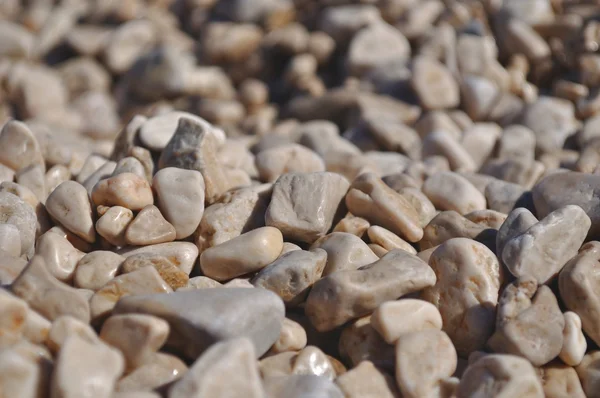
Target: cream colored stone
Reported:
point(393, 319)
point(10, 240)
point(85, 369)
point(444, 143)
point(336, 298)
point(168, 271)
point(113, 224)
point(137, 336)
point(543, 249)
point(48, 296)
point(32, 177)
point(55, 176)
point(18, 146)
point(10, 267)
point(371, 199)
point(505, 375)
point(60, 256)
point(277, 365)
point(129, 164)
point(160, 370)
point(145, 280)
point(43, 220)
point(246, 253)
point(359, 342)
point(12, 319)
point(200, 282)
point(16, 212)
point(69, 204)
point(560, 381)
point(589, 374)
point(291, 338)
point(227, 367)
point(487, 218)
point(301, 386)
point(574, 343)
point(312, 361)
point(92, 163)
point(288, 247)
point(345, 251)
point(182, 254)
point(291, 158)
point(379, 250)
point(149, 227)
point(423, 359)
point(36, 327)
point(180, 195)
point(352, 225)
point(21, 376)
point(103, 172)
point(450, 191)
point(97, 268)
point(126, 189)
point(425, 209)
point(388, 240)
point(527, 325)
point(466, 291)
point(66, 326)
point(366, 381)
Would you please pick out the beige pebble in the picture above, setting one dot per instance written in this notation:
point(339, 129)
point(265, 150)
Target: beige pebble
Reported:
point(55, 176)
point(574, 343)
point(10, 267)
point(425, 209)
point(113, 224)
point(393, 319)
point(160, 370)
point(66, 326)
point(128, 42)
point(180, 195)
point(246, 253)
point(366, 381)
point(137, 336)
point(291, 158)
point(33, 178)
point(291, 276)
point(449, 224)
point(559, 380)
point(168, 271)
point(12, 319)
point(48, 296)
point(200, 282)
point(466, 291)
point(359, 341)
point(334, 299)
point(21, 376)
point(149, 227)
point(86, 369)
point(182, 254)
point(487, 218)
point(423, 359)
point(69, 204)
point(10, 239)
point(92, 163)
point(291, 338)
point(529, 323)
point(445, 144)
point(535, 252)
point(371, 199)
point(345, 251)
point(588, 373)
point(352, 225)
point(36, 328)
point(97, 268)
point(129, 164)
point(16, 212)
point(126, 189)
point(18, 146)
point(303, 205)
point(312, 361)
point(505, 375)
point(450, 191)
point(6, 174)
point(434, 84)
point(277, 365)
point(379, 250)
point(388, 240)
point(194, 147)
point(289, 247)
point(145, 280)
point(227, 367)
point(103, 172)
point(60, 256)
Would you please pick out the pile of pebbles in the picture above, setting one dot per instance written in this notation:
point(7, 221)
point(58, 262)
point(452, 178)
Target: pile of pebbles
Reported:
point(299, 198)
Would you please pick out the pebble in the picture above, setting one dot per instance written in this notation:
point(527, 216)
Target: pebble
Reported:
point(20, 376)
point(503, 196)
point(55, 176)
point(345, 251)
point(291, 158)
point(159, 372)
point(69, 204)
point(182, 254)
point(59, 255)
point(112, 225)
point(15, 211)
point(10, 240)
point(466, 292)
point(560, 381)
point(393, 319)
point(200, 318)
point(334, 299)
point(352, 225)
point(425, 209)
point(168, 271)
point(574, 343)
point(10, 267)
point(529, 322)
point(126, 189)
point(359, 341)
point(66, 326)
point(535, 251)
point(303, 205)
point(33, 178)
point(450, 191)
point(291, 338)
point(301, 386)
point(246, 253)
point(366, 381)
point(433, 83)
point(20, 147)
point(588, 373)
point(388, 240)
point(227, 367)
point(180, 196)
point(149, 227)
point(423, 359)
point(48, 296)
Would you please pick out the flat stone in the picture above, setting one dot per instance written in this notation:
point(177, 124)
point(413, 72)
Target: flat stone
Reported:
point(393, 319)
point(303, 205)
point(334, 299)
point(16, 212)
point(69, 204)
point(292, 275)
point(96, 269)
point(127, 189)
point(345, 251)
point(113, 224)
point(199, 318)
point(466, 291)
point(180, 196)
point(182, 254)
point(149, 227)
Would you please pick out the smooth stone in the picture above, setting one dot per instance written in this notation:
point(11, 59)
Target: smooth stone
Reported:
point(103, 172)
point(292, 158)
point(168, 271)
point(487, 218)
point(335, 299)
point(36, 328)
point(143, 281)
point(503, 196)
point(449, 224)
point(450, 191)
point(466, 291)
point(199, 318)
point(226, 368)
point(129, 165)
point(291, 338)
point(69, 204)
point(559, 380)
point(367, 381)
point(48, 296)
point(149, 227)
point(10, 240)
point(159, 372)
point(66, 326)
point(393, 319)
point(180, 196)
point(33, 178)
point(301, 386)
point(92, 163)
point(359, 341)
point(425, 209)
point(388, 240)
point(96, 269)
point(574, 342)
point(345, 251)
point(445, 144)
point(241, 255)
point(55, 176)
point(16, 212)
point(200, 282)
point(60, 256)
point(182, 254)
point(12, 319)
point(588, 373)
point(10, 267)
point(434, 84)
point(518, 222)
point(303, 205)
point(19, 147)
point(127, 189)
point(292, 275)
point(352, 225)
point(21, 376)
point(113, 224)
